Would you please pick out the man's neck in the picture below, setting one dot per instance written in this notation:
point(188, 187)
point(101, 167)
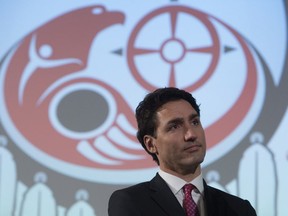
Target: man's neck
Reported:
point(186, 175)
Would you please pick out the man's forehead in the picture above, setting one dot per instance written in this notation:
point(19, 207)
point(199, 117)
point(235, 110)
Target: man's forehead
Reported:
point(174, 109)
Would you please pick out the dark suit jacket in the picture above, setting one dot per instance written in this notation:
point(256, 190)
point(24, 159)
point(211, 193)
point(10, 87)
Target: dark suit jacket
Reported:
point(155, 198)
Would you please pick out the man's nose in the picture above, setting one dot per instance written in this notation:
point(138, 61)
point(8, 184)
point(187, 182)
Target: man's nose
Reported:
point(190, 134)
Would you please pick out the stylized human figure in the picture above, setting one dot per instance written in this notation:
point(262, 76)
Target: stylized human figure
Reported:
point(81, 207)
point(258, 163)
point(39, 59)
point(8, 179)
point(39, 199)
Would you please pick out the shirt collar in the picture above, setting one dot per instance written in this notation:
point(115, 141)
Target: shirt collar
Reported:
point(175, 183)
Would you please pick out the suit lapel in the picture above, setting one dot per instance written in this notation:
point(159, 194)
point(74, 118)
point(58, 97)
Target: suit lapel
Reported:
point(163, 196)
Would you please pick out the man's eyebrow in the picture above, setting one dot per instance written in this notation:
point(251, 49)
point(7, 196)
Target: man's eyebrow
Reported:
point(194, 115)
point(175, 121)
point(181, 120)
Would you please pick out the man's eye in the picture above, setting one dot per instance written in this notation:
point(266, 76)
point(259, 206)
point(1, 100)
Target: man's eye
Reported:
point(173, 127)
point(196, 122)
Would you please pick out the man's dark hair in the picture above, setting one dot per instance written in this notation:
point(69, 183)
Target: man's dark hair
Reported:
point(147, 109)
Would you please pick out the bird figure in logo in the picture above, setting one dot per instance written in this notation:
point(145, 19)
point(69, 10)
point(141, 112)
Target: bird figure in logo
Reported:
point(51, 65)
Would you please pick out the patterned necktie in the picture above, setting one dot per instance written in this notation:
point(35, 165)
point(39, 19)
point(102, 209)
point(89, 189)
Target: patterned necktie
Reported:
point(189, 205)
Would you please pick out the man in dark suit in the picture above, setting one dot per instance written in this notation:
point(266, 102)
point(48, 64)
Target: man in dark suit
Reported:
point(169, 129)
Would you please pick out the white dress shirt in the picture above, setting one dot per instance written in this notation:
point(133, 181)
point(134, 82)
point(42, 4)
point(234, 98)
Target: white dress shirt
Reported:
point(176, 184)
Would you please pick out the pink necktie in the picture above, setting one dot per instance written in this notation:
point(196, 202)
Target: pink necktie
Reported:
point(189, 205)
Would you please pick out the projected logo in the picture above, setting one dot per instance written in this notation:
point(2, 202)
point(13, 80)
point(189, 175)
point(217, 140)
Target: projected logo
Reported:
point(62, 110)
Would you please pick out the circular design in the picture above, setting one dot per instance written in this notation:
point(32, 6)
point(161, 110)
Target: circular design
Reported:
point(82, 111)
point(211, 48)
point(172, 51)
point(94, 105)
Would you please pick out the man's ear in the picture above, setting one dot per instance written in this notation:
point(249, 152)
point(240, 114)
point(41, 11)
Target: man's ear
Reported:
point(149, 142)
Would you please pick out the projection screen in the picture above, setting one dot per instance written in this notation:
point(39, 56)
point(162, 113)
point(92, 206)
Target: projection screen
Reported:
point(73, 72)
